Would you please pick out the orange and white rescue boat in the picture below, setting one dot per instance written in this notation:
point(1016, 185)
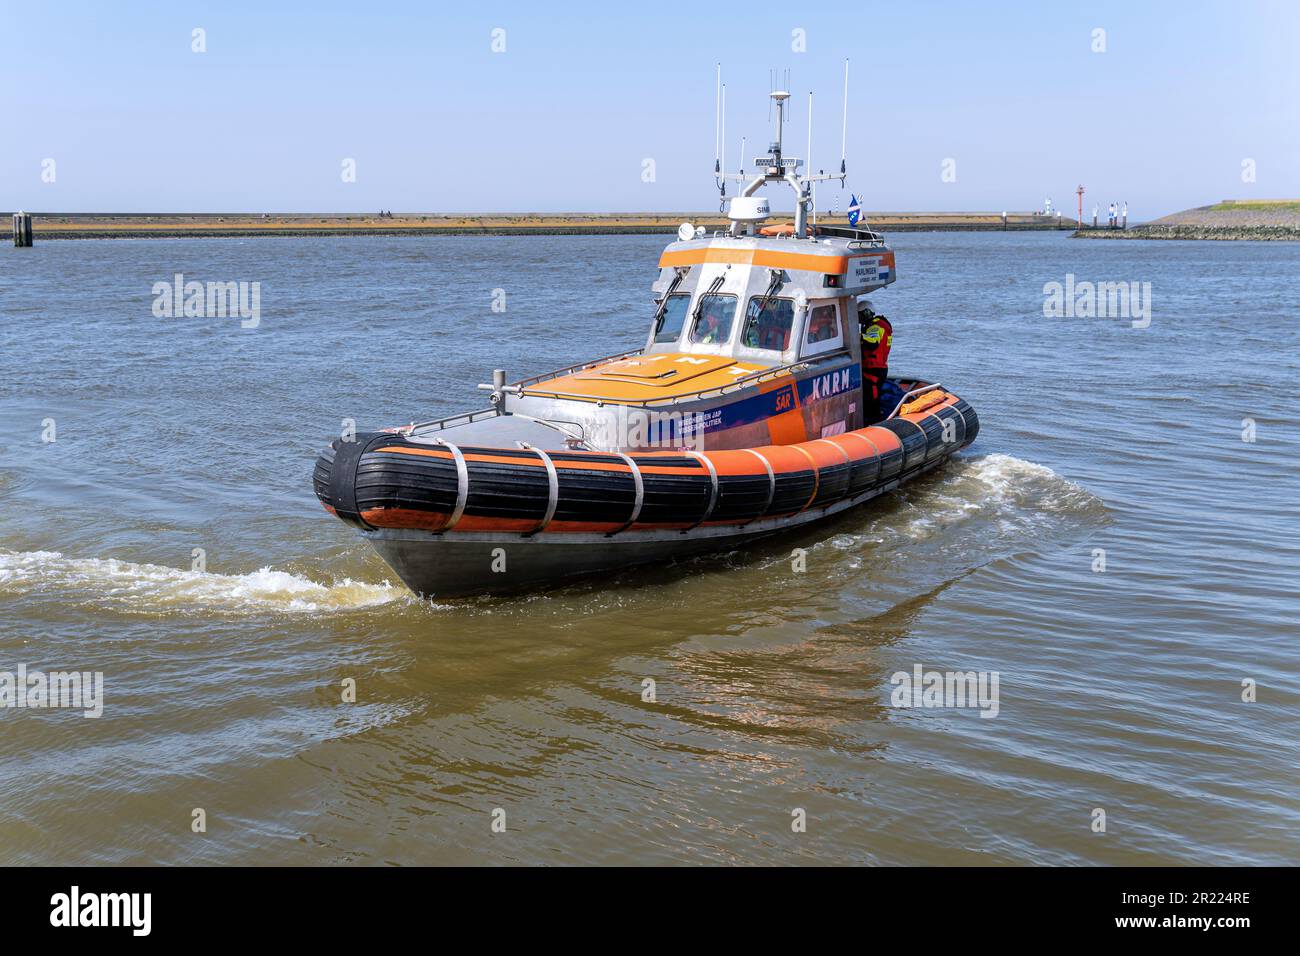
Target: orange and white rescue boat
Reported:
point(742, 416)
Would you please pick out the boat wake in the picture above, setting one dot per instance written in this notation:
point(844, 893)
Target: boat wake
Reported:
point(1005, 486)
point(996, 493)
point(996, 496)
point(156, 588)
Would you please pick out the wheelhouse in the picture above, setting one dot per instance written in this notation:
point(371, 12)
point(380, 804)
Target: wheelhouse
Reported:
point(762, 299)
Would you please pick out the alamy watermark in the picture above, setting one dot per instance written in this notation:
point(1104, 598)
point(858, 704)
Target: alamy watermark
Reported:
point(639, 428)
point(36, 690)
point(946, 689)
point(1102, 300)
point(129, 910)
point(210, 300)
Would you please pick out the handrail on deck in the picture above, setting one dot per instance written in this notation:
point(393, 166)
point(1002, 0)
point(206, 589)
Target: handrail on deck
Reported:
point(906, 395)
point(438, 424)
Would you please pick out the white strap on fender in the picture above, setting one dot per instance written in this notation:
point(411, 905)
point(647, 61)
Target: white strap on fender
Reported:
point(880, 462)
point(640, 493)
point(462, 483)
point(935, 415)
point(858, 434)
point(713, 478)
point(827, 441)
point(771, 484)
point(817, 476)
point(553, 496)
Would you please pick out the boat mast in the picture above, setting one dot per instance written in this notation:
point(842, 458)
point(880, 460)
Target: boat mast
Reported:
point(776, 167)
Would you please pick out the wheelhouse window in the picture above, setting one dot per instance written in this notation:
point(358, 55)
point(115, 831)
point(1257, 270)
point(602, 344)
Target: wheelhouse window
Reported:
point(714, 317)
point(824, 333)
point(768, 322)
point(669, 327)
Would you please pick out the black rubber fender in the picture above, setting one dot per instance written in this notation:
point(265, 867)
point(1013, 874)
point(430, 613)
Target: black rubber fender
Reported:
point(916, 444)
point(343, 473)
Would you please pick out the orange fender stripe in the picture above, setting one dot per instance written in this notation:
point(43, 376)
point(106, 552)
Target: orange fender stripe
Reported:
point(405, 518)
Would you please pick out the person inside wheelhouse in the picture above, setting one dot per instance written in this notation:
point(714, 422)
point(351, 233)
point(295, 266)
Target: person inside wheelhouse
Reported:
point(768, 323)
point(713, 320)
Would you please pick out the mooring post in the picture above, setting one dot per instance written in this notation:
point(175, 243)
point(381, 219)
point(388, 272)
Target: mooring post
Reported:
point(22, 229)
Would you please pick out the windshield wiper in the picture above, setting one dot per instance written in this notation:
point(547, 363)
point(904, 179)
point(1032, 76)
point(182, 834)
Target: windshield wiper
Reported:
point(663, 303)
point(778, 279)
point(714, 286)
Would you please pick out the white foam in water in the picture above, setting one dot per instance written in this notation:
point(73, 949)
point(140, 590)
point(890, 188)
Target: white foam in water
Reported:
point(1003, 492)
point(1006, 477)
point(155, 587)
point(995, 493)
point(998, 487)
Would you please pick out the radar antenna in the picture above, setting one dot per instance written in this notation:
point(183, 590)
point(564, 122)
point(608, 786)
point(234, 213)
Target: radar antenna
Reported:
point(776, 167)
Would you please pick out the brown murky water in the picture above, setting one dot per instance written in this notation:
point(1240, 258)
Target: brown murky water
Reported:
point(1119, 690)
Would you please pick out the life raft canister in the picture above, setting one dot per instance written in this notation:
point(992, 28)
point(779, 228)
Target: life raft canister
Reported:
point(877, 340)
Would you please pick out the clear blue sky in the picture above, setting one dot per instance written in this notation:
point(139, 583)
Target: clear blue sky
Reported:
point(584, 92)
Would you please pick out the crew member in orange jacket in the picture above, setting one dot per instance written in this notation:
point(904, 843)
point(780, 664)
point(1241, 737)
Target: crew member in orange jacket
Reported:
point(877, 340)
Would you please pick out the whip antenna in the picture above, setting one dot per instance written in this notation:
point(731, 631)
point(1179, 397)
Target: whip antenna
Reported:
point(844, 129)
point(808, 162)
point(717, 123)
point(722, 138)
point(809, 165)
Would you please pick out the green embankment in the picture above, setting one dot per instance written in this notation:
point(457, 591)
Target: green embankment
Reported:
point(1249, 219)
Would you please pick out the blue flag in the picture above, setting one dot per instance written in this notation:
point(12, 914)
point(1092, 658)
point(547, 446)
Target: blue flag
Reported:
point(855, 210)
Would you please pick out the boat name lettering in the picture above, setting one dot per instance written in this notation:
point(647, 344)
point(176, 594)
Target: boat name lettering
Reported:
point(832, 383)
point(866, 270)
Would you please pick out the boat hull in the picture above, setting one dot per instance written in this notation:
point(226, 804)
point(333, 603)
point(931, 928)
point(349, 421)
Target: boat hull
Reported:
point(455, 520)
point(444, 566)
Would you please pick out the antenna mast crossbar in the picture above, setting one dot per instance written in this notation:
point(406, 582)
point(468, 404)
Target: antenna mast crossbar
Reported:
point(776, 167)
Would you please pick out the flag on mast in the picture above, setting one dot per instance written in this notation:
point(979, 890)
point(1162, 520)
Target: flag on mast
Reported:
point(855, 210)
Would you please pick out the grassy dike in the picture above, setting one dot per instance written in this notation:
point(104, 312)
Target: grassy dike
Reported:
point(1231, 219)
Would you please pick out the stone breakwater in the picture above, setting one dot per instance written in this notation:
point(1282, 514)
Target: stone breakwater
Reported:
point(1270, 219)
point(1291, 233)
